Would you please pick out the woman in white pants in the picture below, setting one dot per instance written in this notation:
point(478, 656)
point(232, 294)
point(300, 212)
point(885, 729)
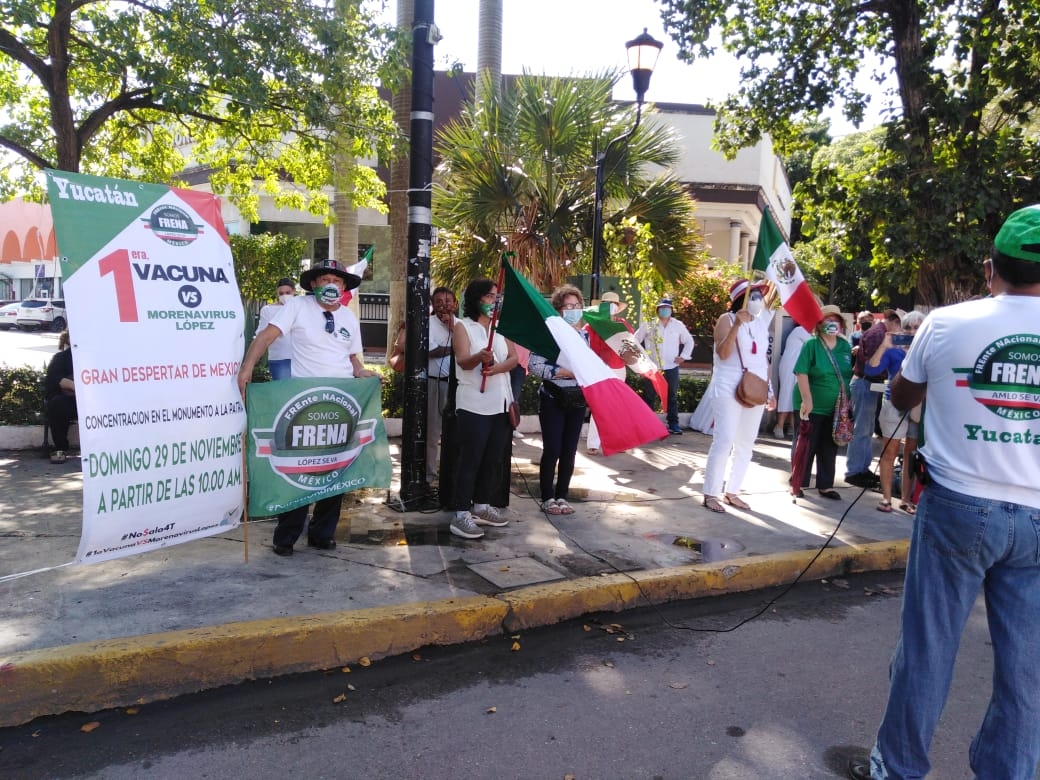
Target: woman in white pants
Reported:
point(741, 337)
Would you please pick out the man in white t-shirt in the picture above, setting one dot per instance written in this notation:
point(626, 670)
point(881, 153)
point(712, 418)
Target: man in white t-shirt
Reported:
point(442, 324)
point(326, 342)
point(976, 526)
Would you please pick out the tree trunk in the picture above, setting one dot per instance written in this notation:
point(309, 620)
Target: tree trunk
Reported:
point(489, 44)
point(67, 140)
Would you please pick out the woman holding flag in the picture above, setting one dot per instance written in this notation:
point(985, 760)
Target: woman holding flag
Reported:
point(741, 342)
point(484, 437)
point(561, 411)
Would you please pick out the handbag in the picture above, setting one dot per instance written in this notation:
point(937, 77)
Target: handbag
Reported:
point(568, 397)
point(842, 424)
point(514, 414)
point(842, 427)
point(752, 390)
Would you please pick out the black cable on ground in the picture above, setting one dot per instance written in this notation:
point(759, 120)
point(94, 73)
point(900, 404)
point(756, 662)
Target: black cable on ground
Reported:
point(664, 618)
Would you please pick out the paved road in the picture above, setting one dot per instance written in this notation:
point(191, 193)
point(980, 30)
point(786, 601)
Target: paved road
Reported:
point(27, 348)
point(789, 695)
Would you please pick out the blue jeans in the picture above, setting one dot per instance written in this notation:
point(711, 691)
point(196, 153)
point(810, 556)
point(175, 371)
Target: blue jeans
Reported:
point(961, 545)
point(860, 450)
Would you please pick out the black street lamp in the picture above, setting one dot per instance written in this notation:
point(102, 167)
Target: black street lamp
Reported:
point(643, 51)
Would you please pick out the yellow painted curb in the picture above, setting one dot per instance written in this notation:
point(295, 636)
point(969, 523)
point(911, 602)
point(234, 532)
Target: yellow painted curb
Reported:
point(118, 672)
point(541, 605)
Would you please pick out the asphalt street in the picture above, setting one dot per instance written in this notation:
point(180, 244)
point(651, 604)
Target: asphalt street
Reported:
point(655, 693)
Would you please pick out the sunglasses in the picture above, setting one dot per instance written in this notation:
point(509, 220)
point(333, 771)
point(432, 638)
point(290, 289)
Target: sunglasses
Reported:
point(330, 324)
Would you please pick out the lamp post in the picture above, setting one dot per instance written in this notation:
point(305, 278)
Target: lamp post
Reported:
point(643, 52)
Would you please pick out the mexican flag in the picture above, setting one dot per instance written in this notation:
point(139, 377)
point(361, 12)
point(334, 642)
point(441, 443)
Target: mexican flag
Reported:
point(358, 269)
point(619, 338)
point(773, 257)
point(623, 418)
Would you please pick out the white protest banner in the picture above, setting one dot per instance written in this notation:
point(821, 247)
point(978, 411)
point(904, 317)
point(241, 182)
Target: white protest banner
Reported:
point(156, 324)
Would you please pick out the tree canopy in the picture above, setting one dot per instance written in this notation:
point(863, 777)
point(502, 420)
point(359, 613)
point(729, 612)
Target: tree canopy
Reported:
point(262, 92)
point(518, 172)
point(957, 154)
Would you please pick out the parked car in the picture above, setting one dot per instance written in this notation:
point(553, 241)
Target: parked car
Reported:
point(9, 315)
point(42, 313)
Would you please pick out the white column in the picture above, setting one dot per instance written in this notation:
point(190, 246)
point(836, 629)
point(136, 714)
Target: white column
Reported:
point(734, 242)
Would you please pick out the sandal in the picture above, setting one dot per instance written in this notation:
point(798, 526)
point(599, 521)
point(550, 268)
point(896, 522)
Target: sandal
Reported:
point(884, 506)
point(832, 494)
point(733, 500)
point(551, 507)
point(713, 504)
point(907, 507)
point(564, 507)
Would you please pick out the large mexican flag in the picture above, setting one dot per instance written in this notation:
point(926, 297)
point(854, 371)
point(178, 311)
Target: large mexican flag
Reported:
point(623, 418)
point(773, 258)
point(156, 324)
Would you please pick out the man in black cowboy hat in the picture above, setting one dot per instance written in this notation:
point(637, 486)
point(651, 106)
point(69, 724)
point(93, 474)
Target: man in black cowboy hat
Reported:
point(326, 342)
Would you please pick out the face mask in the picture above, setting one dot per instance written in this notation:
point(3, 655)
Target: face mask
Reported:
point(328, 293)
point(831, 328)
point(286, 297)
point(487, 309)
point(613, 309)
point(755, 307)
point(664, 312)
point(572, 316)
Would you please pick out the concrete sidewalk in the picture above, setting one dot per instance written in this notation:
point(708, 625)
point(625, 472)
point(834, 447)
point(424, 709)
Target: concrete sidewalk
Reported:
point(198, 615)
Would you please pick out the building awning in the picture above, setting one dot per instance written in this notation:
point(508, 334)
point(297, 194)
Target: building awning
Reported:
point(26, 232)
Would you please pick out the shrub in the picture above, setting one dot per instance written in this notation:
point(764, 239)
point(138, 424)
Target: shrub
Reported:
point(21, 396)
point(700, 298)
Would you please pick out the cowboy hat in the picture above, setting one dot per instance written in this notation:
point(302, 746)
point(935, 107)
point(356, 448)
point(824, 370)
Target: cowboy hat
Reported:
point(321, 267)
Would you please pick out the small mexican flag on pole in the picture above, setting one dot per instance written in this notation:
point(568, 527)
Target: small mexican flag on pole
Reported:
point(623, 418)
point(773, 258)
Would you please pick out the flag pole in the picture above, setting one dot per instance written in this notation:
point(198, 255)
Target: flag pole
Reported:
point(498, 306)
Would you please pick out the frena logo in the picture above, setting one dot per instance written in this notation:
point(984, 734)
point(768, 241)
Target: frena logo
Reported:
point(317, 435)
point(173, 225)
point(1006, 377)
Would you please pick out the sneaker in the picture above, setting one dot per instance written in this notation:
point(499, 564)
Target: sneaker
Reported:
point(778, 433)
point(675, 430)
point(465, 527)
point(490, 516)
point(517, 435)
point(58, 457)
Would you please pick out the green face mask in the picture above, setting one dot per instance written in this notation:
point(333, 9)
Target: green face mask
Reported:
point(328, 293)
point(487, 309)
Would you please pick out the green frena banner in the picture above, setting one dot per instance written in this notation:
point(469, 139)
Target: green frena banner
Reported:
point(309, 439)
point(89, 211)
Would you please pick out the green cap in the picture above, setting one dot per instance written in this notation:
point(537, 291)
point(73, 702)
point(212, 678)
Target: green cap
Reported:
point(1019, 236)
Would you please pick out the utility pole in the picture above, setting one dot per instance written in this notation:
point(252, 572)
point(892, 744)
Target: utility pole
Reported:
point(420, 216)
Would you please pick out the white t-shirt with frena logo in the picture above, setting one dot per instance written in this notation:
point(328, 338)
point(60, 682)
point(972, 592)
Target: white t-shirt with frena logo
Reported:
point(981, 362)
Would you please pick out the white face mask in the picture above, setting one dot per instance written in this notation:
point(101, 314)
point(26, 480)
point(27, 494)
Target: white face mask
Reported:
point(755, 307)
point(286, 297)
point(613, 309)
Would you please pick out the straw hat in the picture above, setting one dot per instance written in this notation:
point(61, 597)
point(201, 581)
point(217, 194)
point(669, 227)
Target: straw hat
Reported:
point(613, 297)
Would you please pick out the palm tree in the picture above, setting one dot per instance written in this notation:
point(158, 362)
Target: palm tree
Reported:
point(518, 173)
